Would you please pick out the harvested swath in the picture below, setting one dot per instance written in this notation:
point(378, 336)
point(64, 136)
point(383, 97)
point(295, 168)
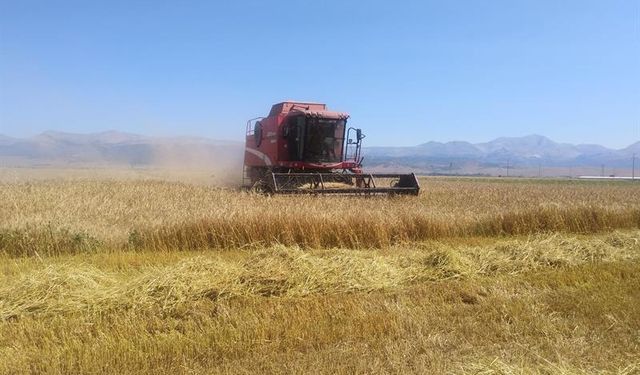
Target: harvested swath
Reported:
point(292, 272)
point(499, 366)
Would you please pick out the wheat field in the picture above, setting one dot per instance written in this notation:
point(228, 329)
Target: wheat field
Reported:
point(104, 215)
point(474, 276)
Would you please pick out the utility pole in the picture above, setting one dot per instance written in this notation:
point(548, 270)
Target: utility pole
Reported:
point(539, 170)
point(602, 170)
point(633, 167)
point(508, 167)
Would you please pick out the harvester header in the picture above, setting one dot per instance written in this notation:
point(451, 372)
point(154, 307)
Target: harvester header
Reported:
point(302, 147)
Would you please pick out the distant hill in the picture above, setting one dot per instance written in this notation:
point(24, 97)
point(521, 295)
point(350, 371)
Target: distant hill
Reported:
point(633, 149)
point(524, 155)
point(530, 151)
point(113, 148)
point(6, 140)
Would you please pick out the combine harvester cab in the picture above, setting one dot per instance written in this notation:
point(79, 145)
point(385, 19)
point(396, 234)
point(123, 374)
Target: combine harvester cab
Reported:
point(304, 148)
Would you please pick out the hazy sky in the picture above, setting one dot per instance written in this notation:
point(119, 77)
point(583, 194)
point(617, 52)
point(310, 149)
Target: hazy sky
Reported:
point(408, 72)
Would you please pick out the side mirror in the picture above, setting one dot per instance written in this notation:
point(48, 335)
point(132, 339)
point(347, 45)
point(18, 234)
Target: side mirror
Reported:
point(359, 134)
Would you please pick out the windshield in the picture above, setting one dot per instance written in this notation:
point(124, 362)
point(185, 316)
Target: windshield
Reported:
point(323, 140)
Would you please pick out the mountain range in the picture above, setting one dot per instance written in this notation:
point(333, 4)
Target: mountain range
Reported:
point(114, 148)
point(527, 151)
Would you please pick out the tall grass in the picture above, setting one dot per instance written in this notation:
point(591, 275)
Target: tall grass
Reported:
point(91, 215)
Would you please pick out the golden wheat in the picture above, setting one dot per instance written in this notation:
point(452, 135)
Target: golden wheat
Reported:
point(582, 319)
point(90, 215)
point(473, 276)
point(67, 287)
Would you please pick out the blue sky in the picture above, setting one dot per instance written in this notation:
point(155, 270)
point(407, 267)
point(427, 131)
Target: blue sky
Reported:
point(408, 72)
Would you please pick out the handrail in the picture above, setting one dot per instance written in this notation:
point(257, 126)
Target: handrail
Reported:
point(249, 129)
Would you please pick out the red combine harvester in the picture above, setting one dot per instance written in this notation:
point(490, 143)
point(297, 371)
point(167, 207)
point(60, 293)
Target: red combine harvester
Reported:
point(300, 148)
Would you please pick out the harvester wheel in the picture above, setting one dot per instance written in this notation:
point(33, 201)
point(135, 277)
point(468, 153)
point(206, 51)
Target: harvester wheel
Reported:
point(262, 187)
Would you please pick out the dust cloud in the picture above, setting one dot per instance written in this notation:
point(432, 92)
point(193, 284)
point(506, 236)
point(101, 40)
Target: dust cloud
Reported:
point(217, 165)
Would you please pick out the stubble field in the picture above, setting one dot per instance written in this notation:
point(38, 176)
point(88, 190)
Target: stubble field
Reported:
point(103, 275)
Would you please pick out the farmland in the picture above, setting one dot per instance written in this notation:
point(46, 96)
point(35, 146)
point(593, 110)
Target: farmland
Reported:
point(130, 275)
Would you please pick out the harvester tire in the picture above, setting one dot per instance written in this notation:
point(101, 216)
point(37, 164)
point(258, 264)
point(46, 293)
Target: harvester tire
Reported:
point(261, 187)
